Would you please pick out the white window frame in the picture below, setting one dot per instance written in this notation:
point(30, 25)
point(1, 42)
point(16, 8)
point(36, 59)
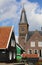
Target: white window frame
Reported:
point(40, 44)
point(32, 44)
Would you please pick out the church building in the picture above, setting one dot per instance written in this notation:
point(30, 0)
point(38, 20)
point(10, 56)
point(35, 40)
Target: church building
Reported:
point(31, 41)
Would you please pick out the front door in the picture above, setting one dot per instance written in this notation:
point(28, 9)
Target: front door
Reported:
point(41, 53)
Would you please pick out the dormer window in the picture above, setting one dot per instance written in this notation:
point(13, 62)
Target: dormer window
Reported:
point(12, 43)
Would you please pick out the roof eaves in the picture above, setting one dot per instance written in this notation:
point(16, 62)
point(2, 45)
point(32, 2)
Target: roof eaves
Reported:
point(9, 37)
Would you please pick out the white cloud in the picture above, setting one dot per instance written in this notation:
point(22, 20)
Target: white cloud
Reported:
point(34, 17)
point(2, 1)
point(23, 1)
point(9, 8)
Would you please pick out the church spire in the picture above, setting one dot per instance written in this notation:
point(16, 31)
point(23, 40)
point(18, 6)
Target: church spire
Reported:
point(23, 18)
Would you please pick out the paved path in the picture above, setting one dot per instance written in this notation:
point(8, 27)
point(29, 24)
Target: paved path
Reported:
point(11, 64)
point(6, 64)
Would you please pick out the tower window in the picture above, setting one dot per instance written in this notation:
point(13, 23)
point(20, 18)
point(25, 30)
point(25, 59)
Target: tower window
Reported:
point(22, 29)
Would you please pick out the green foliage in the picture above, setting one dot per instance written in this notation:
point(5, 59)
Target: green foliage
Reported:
point(19, 57)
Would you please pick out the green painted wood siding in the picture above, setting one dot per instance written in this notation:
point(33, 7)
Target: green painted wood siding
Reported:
point(18, 49)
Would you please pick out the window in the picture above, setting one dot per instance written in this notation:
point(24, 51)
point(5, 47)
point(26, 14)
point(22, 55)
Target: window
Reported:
point(32, 44)
point(3, 52)
point(22, 29)
point(10, 55)
point(39, 44)
point(13, 43)
point(30, 51)
point(14, 55)
point(36, 51)
point(40, 52)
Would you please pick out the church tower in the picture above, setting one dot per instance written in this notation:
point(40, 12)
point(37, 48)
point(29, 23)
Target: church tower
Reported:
point(23, 28)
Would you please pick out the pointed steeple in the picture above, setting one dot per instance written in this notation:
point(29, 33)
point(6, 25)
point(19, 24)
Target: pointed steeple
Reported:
point(23, 18)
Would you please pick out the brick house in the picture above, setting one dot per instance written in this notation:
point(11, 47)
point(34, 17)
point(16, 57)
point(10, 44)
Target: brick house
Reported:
point(31, 41)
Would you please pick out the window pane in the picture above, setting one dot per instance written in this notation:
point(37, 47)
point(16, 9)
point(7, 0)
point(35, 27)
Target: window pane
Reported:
point(39, 44)
point(32, 44)
point(10, 55)
point(30, 51)
point(3, 52)
point(13, 43)
point(14, 55)
point(35, 51)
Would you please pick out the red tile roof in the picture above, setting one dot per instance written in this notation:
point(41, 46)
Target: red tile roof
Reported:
point(5, 34)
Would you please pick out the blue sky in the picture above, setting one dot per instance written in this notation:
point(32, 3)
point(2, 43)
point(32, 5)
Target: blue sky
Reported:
point(39, 2)
point(10, 12)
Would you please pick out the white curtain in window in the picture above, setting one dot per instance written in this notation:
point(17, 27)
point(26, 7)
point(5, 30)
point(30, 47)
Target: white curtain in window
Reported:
point(14, 55)
point(10, 55)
